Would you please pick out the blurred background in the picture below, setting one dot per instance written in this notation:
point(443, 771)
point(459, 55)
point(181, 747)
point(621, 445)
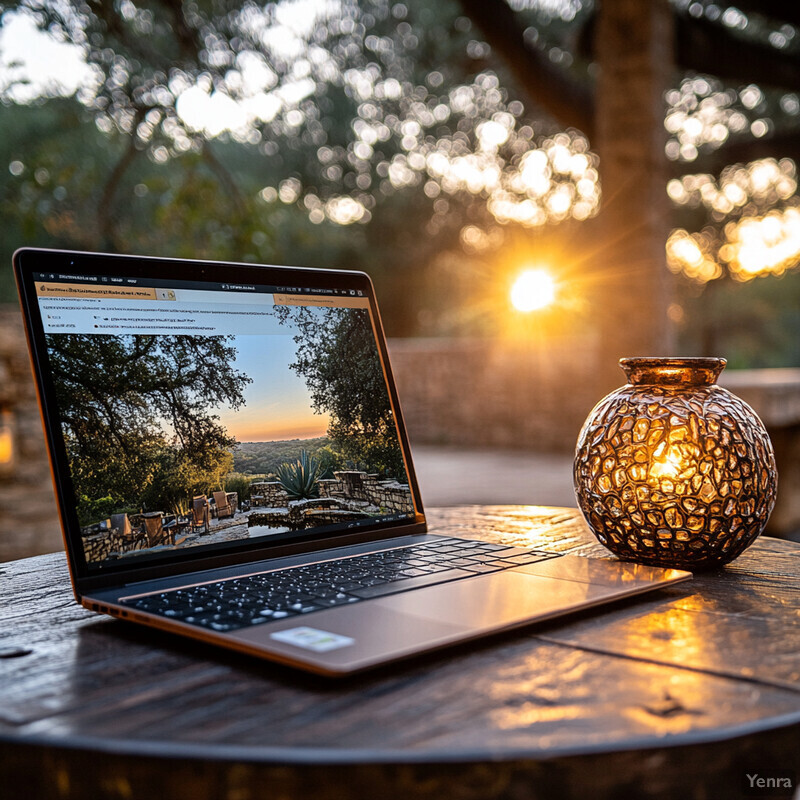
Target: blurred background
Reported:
point(536, 187)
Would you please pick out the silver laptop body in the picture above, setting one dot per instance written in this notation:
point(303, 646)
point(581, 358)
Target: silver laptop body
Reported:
point(154, 373)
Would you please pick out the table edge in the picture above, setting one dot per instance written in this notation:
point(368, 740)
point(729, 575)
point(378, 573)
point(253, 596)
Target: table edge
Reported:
point(223, 753)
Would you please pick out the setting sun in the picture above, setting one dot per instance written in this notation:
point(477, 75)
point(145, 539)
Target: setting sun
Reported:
point(534, 289)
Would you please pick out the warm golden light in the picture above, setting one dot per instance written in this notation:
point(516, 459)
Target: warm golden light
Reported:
point(533, 290)
point(758, 237)
point(6, 445)
point(703, 113)
point(666, 465)
point(525, 180)
point(752, 247)
point(759, 245)
point(692, 254)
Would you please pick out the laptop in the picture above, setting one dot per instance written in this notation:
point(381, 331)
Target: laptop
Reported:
point(231, 464)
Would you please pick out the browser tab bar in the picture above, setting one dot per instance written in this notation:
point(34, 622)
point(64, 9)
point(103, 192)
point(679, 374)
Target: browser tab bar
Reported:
point(47, 289)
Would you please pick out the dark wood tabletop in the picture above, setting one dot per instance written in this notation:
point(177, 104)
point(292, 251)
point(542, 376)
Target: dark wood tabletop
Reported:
point(692, 687)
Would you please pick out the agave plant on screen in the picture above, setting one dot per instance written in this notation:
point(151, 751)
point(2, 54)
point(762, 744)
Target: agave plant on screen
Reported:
point(299, 478)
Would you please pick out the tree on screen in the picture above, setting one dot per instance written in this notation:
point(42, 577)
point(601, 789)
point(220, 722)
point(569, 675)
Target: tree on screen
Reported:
point(137, 416)
point(337, 356)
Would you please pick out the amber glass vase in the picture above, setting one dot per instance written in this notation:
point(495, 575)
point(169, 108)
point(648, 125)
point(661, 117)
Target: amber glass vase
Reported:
point(673, 470)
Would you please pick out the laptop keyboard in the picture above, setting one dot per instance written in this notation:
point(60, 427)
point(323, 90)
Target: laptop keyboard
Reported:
point(254, 599)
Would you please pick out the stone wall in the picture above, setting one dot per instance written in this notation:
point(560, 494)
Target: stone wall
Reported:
point(269, 494)
point(388, 495)
point(346, 484)
point(29, 521)
point(492, 393)
point(99, 546)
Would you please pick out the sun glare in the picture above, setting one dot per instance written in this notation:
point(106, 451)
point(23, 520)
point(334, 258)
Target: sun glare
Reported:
point(534, 289)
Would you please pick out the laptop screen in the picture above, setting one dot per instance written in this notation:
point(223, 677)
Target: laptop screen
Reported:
point(201, 417)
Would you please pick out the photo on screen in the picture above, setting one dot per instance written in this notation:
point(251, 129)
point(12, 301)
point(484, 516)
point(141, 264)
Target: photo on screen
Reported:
point(184, 440)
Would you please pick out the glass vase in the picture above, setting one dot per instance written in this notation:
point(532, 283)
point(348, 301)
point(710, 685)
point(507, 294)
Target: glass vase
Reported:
point(673, 470)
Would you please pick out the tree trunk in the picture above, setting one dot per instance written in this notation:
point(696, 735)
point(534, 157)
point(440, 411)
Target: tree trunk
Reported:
point(634, 49)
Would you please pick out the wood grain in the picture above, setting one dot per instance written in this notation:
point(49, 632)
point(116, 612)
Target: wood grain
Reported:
point(685, 670)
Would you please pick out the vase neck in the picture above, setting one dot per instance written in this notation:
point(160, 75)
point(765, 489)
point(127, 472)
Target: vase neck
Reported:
point(672, 371)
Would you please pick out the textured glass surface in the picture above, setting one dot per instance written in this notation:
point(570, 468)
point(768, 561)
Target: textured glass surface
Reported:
point(674, 470)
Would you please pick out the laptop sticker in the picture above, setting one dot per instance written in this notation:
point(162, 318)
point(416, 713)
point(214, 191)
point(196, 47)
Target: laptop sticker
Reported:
point(313, 639)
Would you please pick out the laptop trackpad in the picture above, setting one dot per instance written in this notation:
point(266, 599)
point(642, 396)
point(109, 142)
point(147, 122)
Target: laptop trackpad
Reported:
point(496, 601)
point(347, 638)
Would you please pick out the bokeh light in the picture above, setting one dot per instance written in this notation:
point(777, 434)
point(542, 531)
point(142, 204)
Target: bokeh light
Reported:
point(693, 255)
point(757, 215)
point(763, 245)
point(524, 179)
point(265, 77)
point(704, 113)
point(760, 184)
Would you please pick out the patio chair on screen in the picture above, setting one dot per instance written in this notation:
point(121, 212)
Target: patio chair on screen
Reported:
point(121, 523)
point(154, 527)
point(224, 508)
point(199, 517)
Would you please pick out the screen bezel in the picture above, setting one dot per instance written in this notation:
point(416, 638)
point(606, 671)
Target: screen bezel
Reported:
point(28, 261)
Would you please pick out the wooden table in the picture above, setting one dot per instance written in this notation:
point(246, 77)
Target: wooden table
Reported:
point(694, 686)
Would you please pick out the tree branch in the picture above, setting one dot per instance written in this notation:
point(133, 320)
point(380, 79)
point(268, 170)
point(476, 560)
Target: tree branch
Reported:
point(547, 85)
point(741, 150)
point(104, 215)
point(224, 177)
point(709, 48)
point(777, 10)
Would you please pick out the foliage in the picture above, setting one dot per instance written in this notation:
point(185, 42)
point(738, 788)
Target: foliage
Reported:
point(300, 478)
point(749, 218)
point(753, 325)
point(337, 356)
point(347, 67)
point(366, 99)
point(61, 159)
point(368, 140)
point(236, 482)
point(331, 460)
point(176, 478)
point(253, 458)
point(136, 418)
point(70, 191)
point(737, 282)
point(92, 510)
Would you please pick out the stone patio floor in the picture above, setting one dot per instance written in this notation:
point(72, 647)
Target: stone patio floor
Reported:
point(450, 476)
